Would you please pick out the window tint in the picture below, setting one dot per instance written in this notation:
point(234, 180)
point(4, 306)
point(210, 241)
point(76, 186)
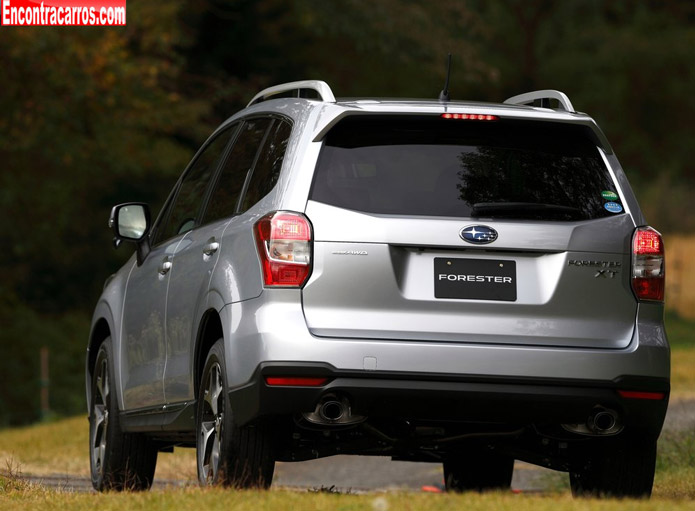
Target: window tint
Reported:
point(183, 211)
point(233, 174)
point(440, 167)
point(267, 169)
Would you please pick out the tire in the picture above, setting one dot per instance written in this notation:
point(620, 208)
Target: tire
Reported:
point(624, 468)
point(227, 455)
point(118, 461)
point(478, 470)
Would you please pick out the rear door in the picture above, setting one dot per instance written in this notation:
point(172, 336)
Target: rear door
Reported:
point(195, 260)
point(498, 232)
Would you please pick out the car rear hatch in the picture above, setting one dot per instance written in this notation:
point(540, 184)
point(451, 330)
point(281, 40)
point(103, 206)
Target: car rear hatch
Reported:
point(496, 231)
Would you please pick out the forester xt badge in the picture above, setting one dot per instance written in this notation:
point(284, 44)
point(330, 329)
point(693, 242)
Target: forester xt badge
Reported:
point(478, 234)
point(604, 269)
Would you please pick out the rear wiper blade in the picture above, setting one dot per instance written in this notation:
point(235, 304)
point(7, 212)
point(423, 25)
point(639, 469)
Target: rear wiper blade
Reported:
point(511, 208)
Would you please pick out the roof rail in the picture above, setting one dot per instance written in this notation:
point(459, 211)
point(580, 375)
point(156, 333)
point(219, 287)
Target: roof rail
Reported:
point(542, 98)
point(324, 91)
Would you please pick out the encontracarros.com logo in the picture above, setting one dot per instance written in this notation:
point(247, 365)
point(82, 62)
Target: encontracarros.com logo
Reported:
point(62, 12)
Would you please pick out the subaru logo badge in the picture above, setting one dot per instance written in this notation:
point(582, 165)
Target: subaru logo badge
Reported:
point(478, 234)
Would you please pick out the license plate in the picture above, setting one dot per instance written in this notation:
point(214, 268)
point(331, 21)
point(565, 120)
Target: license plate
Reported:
point(475, 279)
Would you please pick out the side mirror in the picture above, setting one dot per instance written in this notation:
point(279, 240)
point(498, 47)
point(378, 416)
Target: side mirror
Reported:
point(131, 222)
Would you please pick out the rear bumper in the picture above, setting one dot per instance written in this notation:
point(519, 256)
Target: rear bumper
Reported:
point(434, 380)
point(465, 398)
point(272, 328)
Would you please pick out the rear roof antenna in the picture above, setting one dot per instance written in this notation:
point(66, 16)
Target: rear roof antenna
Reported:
point(444, 95)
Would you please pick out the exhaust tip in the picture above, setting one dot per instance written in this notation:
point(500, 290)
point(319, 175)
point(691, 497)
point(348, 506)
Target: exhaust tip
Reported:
point(333, 410)
point(604, 421)
point(601, 422)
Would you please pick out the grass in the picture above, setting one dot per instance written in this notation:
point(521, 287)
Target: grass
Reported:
point(681, 335)
point(675, 466)
point(683, 374)
point(61, 448)
point(213, 499)
point(681, 331)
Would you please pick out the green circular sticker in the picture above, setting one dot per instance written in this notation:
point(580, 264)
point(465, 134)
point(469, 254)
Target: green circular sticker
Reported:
point(608, 195)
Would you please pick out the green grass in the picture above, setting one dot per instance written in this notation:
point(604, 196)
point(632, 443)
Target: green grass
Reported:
point(681, 336)
point(212, 499)
point(675, 465)
point(61, 447)
point(681, 332)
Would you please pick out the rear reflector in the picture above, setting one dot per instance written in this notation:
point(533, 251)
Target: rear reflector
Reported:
point(294, 381)
point(636, 394)
point(470, 117)
point(284, 248)
point(648, 271)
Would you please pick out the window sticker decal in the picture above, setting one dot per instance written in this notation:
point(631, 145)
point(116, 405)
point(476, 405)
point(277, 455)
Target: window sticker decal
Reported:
point(613, 207)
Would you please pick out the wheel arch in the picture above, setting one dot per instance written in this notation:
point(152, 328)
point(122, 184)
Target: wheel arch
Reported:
point(209, 331)
point(101, 330)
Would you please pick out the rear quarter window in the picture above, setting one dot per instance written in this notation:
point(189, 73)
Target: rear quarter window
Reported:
point(267, 169)
point(441, 167)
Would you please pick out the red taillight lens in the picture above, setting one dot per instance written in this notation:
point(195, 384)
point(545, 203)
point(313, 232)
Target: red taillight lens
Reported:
point(284, 247)
point(648, 272)
point(295, 381)
point(470, 117)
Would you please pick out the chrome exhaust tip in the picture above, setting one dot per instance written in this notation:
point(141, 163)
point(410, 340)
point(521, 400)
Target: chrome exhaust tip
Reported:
point(601, 422)
point(332, 410)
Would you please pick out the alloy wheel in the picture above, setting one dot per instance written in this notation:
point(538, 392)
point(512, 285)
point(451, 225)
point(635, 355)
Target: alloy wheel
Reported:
point(211, 424)
point(100, 416)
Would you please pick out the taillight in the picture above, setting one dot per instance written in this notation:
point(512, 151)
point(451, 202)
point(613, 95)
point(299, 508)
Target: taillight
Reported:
point(284, 247)
point(648, 273)
point(470, 117)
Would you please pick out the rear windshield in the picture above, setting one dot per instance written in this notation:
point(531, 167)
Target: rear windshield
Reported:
point(478, 169)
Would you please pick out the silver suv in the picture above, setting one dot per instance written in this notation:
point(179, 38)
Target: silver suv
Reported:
point(454, 282)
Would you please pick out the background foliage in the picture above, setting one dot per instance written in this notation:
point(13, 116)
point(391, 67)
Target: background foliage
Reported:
point(91, 117)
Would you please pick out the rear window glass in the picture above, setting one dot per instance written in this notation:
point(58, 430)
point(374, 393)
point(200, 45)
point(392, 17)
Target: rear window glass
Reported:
point(479, 169)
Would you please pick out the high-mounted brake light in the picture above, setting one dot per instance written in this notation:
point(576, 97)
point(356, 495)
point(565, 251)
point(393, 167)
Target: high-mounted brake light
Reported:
point(471, 117)
point(284, 247)
point(648, 271)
